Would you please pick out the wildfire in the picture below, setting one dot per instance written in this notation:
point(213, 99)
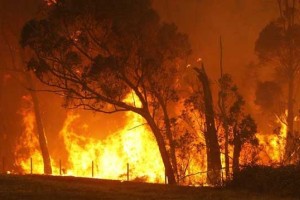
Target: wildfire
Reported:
point(273, 145)
point(27, 152)
point(131, 151)
point(133, 145)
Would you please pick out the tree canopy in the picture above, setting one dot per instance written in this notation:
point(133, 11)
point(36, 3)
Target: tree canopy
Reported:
point(95, 53)
point(278, 44)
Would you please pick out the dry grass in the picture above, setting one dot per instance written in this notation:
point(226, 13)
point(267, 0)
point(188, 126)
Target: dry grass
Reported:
point(51, 187)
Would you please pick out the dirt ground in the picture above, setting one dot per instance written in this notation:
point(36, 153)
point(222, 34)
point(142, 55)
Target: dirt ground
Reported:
point(55, 187)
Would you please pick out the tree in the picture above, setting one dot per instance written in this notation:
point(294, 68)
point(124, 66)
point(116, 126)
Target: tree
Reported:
point(211, 139)
point(16, 57)
point(225, 96)
point(243, 132)
point(240, 127)
point(95, 53)
point(189, 141)
point(243, 128)
point(279, 45)
point(222, 101)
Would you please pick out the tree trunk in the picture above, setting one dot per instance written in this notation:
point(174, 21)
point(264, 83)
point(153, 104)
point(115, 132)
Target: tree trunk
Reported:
point(40, 128)
point(290, 138)
point(223, 113)
point(170, 138)
point(162, 149)
point(236, 155)
point(172, 145)
point(224, 119)
point(226, 129)
point(212, 146)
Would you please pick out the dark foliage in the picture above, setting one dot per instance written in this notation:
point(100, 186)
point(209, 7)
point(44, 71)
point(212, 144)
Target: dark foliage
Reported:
point(283, 181)
point(267, 94)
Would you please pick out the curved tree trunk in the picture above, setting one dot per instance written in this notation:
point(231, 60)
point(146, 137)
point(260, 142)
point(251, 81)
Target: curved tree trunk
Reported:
point(212, 146)
point(170, 173)
point(170, 138)
point(40, 127)
point(172, 144)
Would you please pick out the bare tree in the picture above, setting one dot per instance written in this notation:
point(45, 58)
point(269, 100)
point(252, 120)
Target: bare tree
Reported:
point(16, 67)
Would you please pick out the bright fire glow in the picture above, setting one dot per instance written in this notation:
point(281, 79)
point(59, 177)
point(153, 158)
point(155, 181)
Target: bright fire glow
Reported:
point(27, 149)
point(134, 145)
point(273, 145)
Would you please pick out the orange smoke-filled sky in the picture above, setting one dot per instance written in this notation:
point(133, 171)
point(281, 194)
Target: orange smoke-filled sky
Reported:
point(237, 21)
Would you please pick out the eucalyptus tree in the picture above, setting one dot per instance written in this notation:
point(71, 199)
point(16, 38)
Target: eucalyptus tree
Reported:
point(97, 53)
point(279, 46)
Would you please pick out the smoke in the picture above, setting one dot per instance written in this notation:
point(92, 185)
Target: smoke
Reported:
point(238, 22)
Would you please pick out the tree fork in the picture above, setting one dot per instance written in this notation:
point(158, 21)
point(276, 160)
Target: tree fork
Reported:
point(163, 151)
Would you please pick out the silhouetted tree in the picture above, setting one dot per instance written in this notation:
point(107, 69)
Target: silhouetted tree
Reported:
point(211, 139)
point(17, 60)
point(224, 95)
point(189, 141)
point(279, 45)
point(243, 128)
point(96, 53)
point(240, 127)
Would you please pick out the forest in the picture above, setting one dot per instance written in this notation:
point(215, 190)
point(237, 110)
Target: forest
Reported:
point(188, 93)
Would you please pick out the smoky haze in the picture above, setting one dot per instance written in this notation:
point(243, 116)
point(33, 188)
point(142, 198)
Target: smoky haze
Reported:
point(237, 21)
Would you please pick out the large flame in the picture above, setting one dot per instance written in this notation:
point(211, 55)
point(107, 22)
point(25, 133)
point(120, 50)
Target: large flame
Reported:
point(130, 152)
point(273, 145)
point(133, 145)
point(27, 153)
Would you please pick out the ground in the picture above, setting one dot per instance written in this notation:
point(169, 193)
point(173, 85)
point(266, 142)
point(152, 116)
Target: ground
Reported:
point(55, 187)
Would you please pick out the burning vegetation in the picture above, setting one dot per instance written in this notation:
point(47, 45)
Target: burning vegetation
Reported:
point(173, 125)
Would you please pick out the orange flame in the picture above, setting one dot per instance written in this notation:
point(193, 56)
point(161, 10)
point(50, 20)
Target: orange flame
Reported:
point(133, 144)
point(273, 145)
point(27, 149)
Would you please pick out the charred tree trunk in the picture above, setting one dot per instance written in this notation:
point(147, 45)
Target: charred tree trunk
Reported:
point(222, 108)
point(170, 173)
point(226, 146)
point(171, 143)
point(170, 137)
point(290, 140)
point(212, 146)
point(224, 120)
point(236, 154)
point(40, 127)
point(163, 103)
